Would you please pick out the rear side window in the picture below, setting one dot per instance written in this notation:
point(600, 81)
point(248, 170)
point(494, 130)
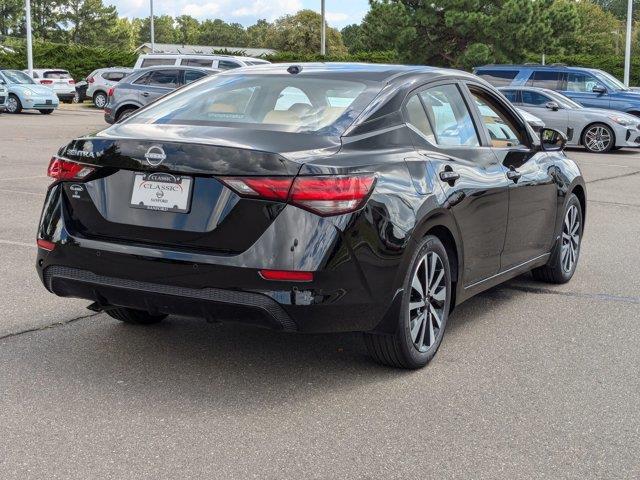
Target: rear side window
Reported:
point(545, 79)
point(450, 117)
point(196, 62)
point(227, 65)
point(192, 75)
point(417, 117)
point(165, 78)
point(534, 99)
point(512, 95)
point(114, 76)
point(498, 78)
point(152, 62)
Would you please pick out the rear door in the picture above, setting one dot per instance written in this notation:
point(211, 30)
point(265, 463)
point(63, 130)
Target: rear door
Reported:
point(159, 83)
point(472, 183)
point(532, 186)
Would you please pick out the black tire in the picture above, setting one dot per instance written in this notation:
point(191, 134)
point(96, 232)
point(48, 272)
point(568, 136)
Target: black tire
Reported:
point(18, 104)
point(136, 317)
point(46, 111)
point(400, 349)
point(100, 99)
point(607, 132)
point(124, 113)
point(556, 271)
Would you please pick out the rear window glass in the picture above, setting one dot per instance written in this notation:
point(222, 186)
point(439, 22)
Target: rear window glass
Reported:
point(265, 102)
point(498, 78)
point(152, 62)
point(57, 74)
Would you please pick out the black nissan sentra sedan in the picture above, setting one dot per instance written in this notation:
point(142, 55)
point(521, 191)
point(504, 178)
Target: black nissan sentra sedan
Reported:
point(313, 198)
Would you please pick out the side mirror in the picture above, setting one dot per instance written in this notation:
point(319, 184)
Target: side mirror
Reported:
point(552, 140)
point(552, 106)
point(599, 89)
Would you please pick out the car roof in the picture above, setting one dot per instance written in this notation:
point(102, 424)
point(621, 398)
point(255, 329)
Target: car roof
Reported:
point(175, 67)
point(206, 55)
point(377, 72)
point(535, 66)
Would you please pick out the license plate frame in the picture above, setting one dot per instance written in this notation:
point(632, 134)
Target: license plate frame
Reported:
point(161, 192)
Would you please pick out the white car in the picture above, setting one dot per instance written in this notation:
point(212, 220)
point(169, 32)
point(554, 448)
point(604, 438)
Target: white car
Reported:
point(58, 80)
point(4, 94)
point(101, 80)
point(220, 62)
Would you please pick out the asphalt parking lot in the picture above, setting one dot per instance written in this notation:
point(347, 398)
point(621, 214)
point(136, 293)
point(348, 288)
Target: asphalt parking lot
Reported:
point(532, 380)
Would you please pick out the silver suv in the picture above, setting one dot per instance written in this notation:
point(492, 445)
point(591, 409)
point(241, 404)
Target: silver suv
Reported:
point(146, 85)
point(101, 80)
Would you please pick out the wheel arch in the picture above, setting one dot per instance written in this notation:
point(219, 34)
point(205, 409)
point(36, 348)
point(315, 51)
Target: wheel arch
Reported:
point(579, 191)
point(126, 106)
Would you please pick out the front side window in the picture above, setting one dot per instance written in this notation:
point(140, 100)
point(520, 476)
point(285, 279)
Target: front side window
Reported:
point(165, 78)
point(449, 116)
point(503, 129)
point(266, 102)
point(534, 99)
point(582, 82)
point(546, 79)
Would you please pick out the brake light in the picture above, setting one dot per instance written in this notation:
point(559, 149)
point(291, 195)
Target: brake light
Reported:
point(72, 82)
point(45, 244)
point(323, 195)
point(46, 82)
point(287, 275)
point(109, 92)
point(91, 80)
point(60, 169)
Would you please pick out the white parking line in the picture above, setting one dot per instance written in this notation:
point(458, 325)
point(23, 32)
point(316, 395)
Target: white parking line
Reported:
point(4, 190)
point(17, 244)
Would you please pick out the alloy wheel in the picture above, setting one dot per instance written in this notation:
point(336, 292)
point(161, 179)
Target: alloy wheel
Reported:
point(570, 239)
point(598, 138)
point(427, 302)
point(100, 101)
point(12, 105)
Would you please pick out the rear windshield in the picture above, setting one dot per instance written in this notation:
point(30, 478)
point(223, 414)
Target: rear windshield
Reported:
point(287, 103)
point(62, 74)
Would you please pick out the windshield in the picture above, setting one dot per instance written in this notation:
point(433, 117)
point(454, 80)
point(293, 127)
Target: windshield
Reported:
point(609, 80)
point(288, 103)
point(16, 76)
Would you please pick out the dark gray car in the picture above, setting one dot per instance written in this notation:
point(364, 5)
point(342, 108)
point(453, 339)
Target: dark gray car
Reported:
point(146, 85)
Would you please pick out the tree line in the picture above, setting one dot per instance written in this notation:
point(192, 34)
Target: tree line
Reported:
point(458, 33)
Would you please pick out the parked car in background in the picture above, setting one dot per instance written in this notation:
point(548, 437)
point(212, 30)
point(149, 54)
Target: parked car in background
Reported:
point(100, 81)
point(4, 94)
point(221, 62)
point(81, 91)
point(58, 80)
point(598, 130)
point(534, 122)
point(146, 85)
point(26, 94)
point(589, 87)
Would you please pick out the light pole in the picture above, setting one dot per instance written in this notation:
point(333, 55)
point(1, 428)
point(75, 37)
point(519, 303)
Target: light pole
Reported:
point(627, 47)
point(323, 32)
point(29, 40)
point(153, 35)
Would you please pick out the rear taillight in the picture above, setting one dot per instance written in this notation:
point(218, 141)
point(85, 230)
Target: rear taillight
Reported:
point(60, 169)
point(90, 79)
point(45, 244)
point(72, 82)
point(287, 275)
point(46, 82)
point(109, 92)
point(323, 195)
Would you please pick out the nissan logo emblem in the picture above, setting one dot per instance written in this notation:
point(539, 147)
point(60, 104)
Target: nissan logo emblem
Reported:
point(155, 156)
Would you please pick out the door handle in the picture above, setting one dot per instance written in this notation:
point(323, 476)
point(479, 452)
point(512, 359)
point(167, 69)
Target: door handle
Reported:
point(145, 94)
point(449, 176)
point(514, 175)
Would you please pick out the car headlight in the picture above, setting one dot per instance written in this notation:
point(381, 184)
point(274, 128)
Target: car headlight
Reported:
point(624, 121)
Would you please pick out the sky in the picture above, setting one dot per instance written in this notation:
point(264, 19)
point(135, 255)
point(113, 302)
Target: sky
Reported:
point(245, 12)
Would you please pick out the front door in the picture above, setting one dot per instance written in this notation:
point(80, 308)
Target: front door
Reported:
point(580, 88)
point(532, 187)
